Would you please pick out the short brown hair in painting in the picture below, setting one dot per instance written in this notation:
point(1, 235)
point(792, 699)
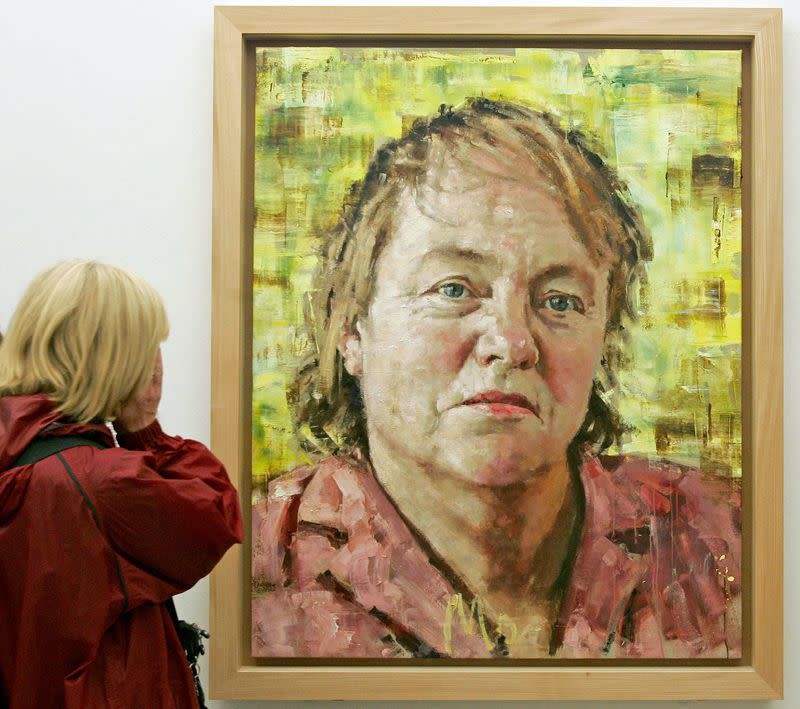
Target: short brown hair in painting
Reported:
point(495, 140)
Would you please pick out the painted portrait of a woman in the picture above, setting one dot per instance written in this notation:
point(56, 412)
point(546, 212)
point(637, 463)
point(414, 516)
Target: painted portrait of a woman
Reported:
point(471, 312)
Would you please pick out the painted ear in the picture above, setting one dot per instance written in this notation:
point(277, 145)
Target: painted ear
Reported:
point(350, 349)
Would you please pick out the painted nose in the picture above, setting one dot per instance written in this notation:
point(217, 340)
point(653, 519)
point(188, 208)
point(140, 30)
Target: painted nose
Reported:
point(508, 341)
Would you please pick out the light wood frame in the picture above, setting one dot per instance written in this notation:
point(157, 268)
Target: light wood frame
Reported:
point(234, 674)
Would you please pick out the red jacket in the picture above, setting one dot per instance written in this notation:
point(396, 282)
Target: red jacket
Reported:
point(338, 573)
point(87, 563)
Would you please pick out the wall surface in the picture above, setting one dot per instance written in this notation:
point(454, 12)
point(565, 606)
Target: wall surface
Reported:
point(105, 152)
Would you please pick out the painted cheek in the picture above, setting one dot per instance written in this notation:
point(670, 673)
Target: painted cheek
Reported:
point(449, 350)
point(570, 371)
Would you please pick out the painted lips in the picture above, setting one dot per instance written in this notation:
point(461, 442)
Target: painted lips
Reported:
point(500, 404)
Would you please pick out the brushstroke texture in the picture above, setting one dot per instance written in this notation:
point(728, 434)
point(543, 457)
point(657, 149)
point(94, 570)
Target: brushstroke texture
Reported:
point(348, 578)
point(668, 121)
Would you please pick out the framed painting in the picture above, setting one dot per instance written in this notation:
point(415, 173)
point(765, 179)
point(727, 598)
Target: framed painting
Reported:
point(497, 353)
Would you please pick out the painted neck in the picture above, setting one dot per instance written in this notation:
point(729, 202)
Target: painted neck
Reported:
point(507, 543)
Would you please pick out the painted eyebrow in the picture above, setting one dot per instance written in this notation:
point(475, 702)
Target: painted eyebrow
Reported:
point(563, 270)
point(456, 253)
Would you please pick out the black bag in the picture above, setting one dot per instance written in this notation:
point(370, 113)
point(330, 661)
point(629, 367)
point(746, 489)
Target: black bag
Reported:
point(190, 634)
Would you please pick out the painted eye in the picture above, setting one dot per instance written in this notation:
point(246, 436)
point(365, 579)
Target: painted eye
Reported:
point(561, 303)
point(452, 290)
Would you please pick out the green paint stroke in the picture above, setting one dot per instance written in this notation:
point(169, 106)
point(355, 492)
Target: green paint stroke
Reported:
point(654, 115)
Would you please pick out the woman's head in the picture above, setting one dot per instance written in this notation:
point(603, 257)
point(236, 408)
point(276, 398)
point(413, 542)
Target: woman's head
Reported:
point(471, 177)
point(86, 334)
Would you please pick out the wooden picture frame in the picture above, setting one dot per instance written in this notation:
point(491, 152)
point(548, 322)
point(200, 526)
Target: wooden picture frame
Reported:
point(759, 675)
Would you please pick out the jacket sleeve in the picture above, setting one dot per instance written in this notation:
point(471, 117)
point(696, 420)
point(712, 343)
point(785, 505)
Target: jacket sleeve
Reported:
point(168, 509)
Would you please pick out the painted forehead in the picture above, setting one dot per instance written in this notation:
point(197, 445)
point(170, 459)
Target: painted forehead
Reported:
point(500, 203)
point(500, 181)
point(494, 225)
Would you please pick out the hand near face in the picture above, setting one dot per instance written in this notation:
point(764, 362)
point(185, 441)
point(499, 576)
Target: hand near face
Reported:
point(141, 409)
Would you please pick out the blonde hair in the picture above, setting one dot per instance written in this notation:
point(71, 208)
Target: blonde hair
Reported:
point(86, 334)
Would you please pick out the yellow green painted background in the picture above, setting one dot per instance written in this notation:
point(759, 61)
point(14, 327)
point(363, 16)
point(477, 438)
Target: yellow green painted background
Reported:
point(668, 121)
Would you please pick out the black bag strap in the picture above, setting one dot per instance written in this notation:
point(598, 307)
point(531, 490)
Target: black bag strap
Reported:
point(42, 448)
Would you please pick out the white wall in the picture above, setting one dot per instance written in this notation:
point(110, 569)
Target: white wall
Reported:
point(105, 152)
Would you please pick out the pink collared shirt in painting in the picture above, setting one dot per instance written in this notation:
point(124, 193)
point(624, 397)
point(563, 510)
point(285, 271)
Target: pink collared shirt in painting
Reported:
point(338, 573)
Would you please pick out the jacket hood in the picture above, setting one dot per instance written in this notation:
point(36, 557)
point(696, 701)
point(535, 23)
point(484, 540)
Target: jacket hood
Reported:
point(22, 418)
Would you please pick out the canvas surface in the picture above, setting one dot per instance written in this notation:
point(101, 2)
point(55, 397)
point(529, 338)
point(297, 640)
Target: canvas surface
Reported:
point(669, 124)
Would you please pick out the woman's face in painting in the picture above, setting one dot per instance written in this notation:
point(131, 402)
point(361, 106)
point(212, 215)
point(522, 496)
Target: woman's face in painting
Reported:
point(484, 332)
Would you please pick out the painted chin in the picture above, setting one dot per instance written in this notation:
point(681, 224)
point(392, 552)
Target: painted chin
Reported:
point(502, 469)
point(492, 451)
